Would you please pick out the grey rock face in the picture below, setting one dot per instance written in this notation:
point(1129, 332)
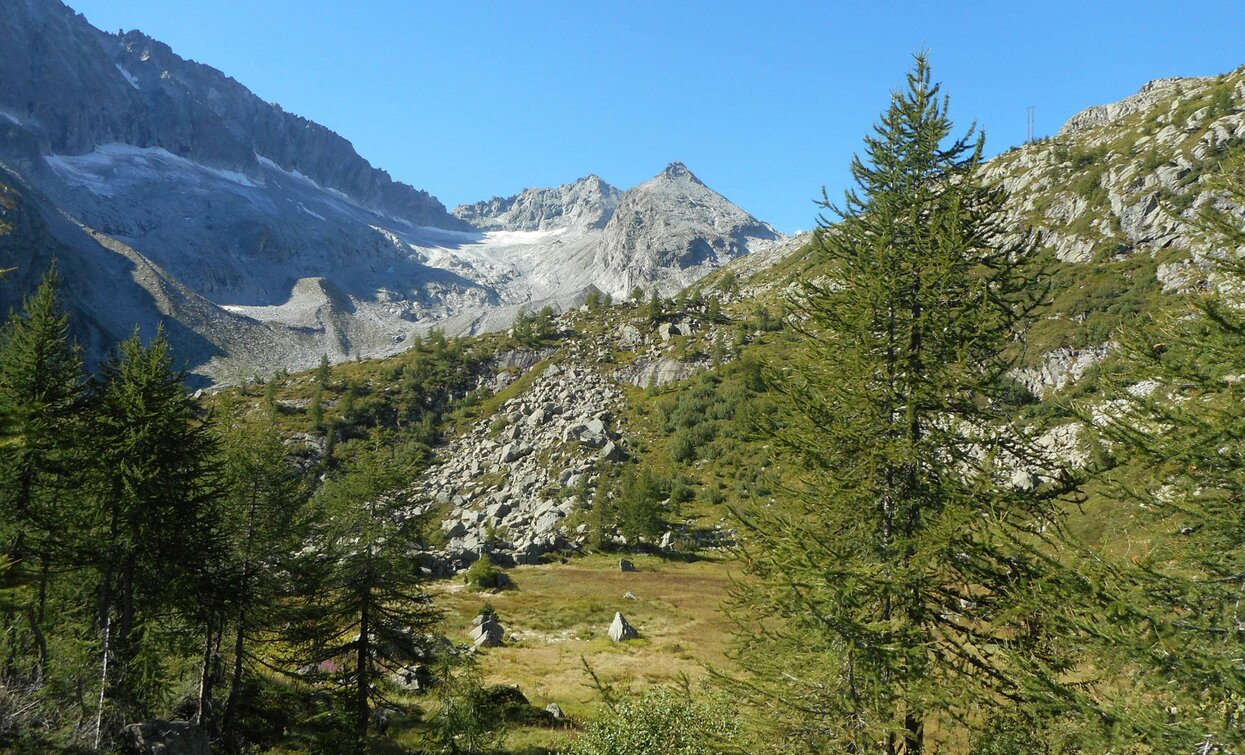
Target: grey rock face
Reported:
point(672, 229)
point(620, 630)
point(585, 204)
point(1144, 99)
point(102, 88)
point(488, 633)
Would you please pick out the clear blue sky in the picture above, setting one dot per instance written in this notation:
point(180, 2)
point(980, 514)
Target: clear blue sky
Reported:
point(765, 101)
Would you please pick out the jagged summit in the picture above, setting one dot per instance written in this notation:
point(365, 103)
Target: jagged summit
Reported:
point(280, 242)
point(582, 204)
point(677, 170)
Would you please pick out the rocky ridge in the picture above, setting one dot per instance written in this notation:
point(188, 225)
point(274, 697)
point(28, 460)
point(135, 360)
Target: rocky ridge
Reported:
point(278, 231)
point(510, 483)
point(585, 204)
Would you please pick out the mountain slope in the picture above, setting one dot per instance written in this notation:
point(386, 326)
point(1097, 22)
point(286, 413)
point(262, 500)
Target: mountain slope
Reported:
point(275, 225)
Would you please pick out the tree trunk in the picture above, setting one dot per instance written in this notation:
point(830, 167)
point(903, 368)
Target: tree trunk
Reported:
point(202, 712)
point(362, 669)
point(231, 702)
point(914, 734)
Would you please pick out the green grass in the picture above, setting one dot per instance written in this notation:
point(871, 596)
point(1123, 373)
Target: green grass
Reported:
point(556, 618)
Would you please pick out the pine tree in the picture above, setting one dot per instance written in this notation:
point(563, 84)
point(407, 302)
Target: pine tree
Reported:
point(901, 590)
point(656, 309)
point(42, 402)
point(366, 615)
point(155, 499)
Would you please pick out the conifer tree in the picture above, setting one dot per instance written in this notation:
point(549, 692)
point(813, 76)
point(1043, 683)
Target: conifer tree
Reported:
point(366, 616)
point(656, 309)
point(156, 511)
point(262, 494)
point(901, 589)
point(1173, 437)
point(42, 401)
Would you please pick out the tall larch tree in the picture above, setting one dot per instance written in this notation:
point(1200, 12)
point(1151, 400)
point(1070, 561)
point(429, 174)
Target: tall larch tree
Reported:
point(901, 593)
point(365, 615)
point(1173, 436)
point(42, 402)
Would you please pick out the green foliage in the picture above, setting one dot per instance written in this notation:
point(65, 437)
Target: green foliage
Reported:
point(483, 575)
point(897, 586)
point(362, 609)
point(1174, 452)
point(534, 329)
point(42, 403)
point(467, 719)
point(594, 299)
point(659, 721)
point(639, 506)
point(656, 308)
point(156, 513)
point(322, 372)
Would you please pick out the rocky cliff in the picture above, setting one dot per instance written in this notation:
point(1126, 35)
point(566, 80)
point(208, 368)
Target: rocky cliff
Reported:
point(271, 223)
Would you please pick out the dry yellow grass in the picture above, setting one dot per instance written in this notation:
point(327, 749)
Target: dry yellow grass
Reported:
point(557, 614)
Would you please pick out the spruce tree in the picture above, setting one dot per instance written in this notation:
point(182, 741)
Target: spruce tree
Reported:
point(901, 590)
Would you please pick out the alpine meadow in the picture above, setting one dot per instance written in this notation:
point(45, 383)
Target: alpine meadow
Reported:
point(296, 459)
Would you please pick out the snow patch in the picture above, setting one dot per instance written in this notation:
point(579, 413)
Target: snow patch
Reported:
point(514, 238)
point(267, 163)
point(128, 76)
point(112, 167)
point(315, 215)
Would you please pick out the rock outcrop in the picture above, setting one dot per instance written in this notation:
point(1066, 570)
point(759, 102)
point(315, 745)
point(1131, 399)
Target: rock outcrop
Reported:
point(621, 630)
point(584, 205)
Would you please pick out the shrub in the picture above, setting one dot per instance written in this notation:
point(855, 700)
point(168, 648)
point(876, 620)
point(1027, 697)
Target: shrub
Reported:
point(483, 575)
point(660, 720)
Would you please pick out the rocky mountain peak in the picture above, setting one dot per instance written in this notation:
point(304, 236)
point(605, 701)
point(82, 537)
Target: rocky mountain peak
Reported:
point(584, 204)
point(677, 170)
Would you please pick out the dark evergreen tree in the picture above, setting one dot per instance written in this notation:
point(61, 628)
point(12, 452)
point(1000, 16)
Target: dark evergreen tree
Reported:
point(901, 587)
point(42, 402)
point(366, 616)
point(656, 309)
point(263, 493)
point(322, 371)
point(155, 496)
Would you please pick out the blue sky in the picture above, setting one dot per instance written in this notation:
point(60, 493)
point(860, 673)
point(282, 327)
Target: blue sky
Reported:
point(764, 101)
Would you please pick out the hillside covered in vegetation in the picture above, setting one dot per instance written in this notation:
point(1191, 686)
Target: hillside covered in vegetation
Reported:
point(958, 472)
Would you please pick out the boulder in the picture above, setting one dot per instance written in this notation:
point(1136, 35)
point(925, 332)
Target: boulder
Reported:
point(611, 451)
point(620, 630)
point(555, 712)
point(513, 451)
point(488, 633)
point(625, 565)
